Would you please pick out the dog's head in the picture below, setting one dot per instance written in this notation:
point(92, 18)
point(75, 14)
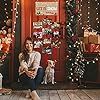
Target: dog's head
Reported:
point(51, 63)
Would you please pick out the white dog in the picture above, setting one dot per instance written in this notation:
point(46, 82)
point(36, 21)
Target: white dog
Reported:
point(49, 72)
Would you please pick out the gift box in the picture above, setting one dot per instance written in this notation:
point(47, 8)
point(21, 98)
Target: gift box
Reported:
point(86, 40)
point(87, 33)
point(94, 39)
point(92, 47)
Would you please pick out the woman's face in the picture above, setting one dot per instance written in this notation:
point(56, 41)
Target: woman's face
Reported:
point(29, 45)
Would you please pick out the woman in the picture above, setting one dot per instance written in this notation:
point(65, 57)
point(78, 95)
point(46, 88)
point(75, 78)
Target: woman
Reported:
point(30, 71)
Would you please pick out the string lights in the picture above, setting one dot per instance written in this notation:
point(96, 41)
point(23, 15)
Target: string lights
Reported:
point(97, 13)
point(88, 20)
point(5, 3)
point(76, 62)
point(80, 11)
point(15, 14)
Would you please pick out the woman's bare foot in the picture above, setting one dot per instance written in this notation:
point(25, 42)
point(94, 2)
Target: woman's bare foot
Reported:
point(34, 95)
point(28, 94)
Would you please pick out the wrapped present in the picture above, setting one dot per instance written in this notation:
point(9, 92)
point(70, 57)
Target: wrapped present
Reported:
point(97, 48)
point(94, 39)
point(86, 40)
point(92, 47)
point(87, 33)
point(93, 33)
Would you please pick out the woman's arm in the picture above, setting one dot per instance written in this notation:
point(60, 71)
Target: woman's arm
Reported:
point(23, 65)
point(36, 63)
point(37, 59)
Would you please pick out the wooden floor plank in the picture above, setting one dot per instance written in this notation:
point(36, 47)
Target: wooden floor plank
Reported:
point(72, 95)
point(12, 96)
point(43, 94)
point(93, 94)
point(16, 95)
point(82, 95)
point(22, 96)
point(54, 95)
point(63, 95)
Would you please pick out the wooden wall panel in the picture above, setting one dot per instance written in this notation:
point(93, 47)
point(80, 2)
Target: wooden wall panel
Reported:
point(25, 19)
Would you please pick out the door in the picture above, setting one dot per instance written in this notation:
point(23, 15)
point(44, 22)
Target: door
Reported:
point(44, 21)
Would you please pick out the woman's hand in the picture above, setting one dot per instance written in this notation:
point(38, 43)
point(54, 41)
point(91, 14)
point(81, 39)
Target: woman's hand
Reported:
point(34, 73)
point(31, 74)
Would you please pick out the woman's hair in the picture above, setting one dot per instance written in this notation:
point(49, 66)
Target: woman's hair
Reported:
point(25, 51)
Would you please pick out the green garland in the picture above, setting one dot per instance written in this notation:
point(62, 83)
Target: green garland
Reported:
point(75, 63)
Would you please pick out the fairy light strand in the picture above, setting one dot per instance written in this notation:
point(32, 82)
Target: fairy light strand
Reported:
point(97, 16)
point(15, 14)
point(88, 13)
point(6, 12)
point(80, 12)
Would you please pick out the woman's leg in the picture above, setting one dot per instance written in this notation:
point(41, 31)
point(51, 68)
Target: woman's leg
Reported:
point(34, 95)
point(27, 81)
point(38, 79)
point(32, 83)
point(39, 76)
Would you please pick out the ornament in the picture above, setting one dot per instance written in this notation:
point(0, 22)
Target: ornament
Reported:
point(9, 22)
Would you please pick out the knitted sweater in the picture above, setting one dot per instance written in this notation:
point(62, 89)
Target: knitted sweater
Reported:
point(33, 62)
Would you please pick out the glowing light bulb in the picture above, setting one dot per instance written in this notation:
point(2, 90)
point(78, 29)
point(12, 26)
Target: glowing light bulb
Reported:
point(87, 62)
point(88, 17)
point(88, 21)
point(80, 23)
point(93, 61)
point(6, 4)
point(96, 18)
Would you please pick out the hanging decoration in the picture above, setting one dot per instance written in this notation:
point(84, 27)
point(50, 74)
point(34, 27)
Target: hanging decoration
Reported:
point(46, 8)
point(46, 35)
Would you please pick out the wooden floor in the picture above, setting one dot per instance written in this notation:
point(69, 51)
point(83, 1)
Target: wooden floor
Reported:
point(84, 94)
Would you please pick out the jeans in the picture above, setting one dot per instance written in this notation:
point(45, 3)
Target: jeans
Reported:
point(32, 83)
